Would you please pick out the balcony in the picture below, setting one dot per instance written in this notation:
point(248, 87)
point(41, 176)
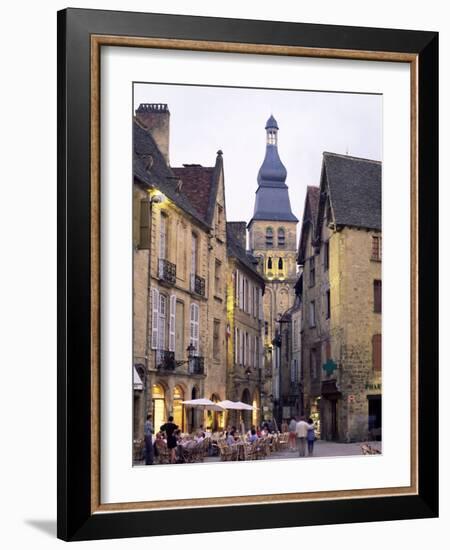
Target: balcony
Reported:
point(196, 365)
point(165, 360)
point(167, 272)
point(198, 285)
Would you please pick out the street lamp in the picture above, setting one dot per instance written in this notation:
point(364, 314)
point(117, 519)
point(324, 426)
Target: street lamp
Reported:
point(191, 354)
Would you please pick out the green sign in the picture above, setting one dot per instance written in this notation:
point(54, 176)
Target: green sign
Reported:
point(329, 367)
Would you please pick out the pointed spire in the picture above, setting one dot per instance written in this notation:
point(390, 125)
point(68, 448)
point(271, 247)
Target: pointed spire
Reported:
point(272, 196)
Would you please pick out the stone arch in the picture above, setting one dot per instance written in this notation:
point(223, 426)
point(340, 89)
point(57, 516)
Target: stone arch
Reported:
point(178, 395)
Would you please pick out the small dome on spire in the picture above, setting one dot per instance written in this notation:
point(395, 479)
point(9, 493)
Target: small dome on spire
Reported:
point(271, 123)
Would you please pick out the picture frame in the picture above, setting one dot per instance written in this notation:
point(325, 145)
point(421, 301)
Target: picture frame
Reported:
point(81, 35)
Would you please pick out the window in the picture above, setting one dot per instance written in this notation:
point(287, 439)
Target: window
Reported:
point(327, 304)
point(179, 331)
point(281, 237)
point(216, 339)
point(312, 313)
point(377, 296)
point(144, 224)
point(194, 327)
point(296, 333)
point(194, 253)
point(294, 371)
point(376, 352)
point(280, 264)
point(269, 237)
point(218, 278)
point(163, 237)
point(162, 322)
point(313, 363)
point(326, 256)
point(312, 271)
point(269, 263)
point(266, 328)
point(376, 248)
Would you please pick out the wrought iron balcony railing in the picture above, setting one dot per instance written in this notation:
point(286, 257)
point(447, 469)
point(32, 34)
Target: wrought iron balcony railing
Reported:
point(196, 365)
point(167, 271)
point(198, 284)
point(165, 360)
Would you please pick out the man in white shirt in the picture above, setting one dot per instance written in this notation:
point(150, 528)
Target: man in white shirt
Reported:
point(302, 432)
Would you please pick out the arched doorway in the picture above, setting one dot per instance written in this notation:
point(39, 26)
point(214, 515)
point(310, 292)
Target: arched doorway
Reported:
point(178, 408)
point(246, 415)
point(158, 406)
point(256, 408)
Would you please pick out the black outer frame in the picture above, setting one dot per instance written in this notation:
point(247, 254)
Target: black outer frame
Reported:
point(75, 521)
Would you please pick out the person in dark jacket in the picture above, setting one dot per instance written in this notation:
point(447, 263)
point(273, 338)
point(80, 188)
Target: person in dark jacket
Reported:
point(169, 428)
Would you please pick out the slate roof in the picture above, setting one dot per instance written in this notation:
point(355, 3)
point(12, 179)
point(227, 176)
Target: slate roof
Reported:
point(235, 250)
point(271, 123)
point(198, 186)
point(309, 219)
point(354, 187)
point(150, 168)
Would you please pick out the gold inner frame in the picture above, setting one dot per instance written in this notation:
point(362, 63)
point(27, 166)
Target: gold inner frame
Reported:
point(97, 41)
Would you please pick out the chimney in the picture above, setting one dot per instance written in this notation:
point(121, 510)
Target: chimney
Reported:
point(238, 231)
point(156, 118)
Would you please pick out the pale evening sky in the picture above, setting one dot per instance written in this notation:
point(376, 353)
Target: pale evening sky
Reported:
point(206, 119)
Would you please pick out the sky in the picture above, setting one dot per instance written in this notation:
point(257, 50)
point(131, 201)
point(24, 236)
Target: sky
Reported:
point(205, 119)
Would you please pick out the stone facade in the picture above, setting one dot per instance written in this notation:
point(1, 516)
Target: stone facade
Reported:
point(245, 322)
point(179, 288)
point(341, 327)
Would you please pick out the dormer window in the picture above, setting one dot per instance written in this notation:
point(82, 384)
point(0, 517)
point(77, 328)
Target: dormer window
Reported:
point(269, 237)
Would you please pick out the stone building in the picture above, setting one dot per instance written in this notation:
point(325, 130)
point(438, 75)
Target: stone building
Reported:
point(245, 323)
point(340, 254)
point(273, 241)
point(289, 343)
point(179, 246)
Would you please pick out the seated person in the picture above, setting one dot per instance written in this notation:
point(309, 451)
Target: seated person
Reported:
point(252, 437)
point(230, 438)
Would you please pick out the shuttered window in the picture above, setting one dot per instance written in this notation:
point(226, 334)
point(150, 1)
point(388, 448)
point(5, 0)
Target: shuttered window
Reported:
point(172, 313)
point(194, 327)
point(144, 225)
point(376, 352)
point(155, 316)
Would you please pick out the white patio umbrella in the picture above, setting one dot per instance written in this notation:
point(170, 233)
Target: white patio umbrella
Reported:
point(235, 405)
point(203, 403)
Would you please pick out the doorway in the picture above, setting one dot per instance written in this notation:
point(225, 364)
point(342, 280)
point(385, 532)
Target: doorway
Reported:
point(374, 417)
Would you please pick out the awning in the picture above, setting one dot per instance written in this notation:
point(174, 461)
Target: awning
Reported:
point(137, 382)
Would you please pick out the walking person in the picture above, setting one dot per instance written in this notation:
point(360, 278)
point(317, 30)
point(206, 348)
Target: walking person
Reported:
point(302, 432)
point(148, 430)
point(311, 436)
point(169, 427)
point(292, 429)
